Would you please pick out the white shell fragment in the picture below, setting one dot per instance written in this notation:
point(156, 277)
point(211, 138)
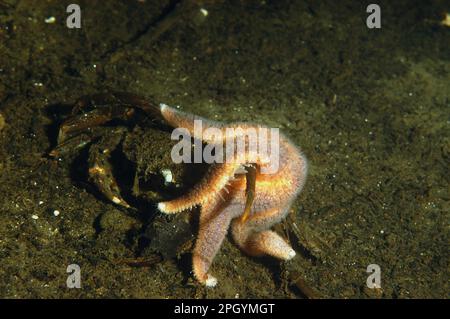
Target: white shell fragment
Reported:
point(167, 174)
point(116, 200)
point(211, 281)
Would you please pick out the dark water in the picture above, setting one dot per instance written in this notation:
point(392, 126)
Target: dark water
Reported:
point(368, 107)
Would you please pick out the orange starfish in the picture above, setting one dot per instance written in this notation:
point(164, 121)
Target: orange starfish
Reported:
point(228, 191)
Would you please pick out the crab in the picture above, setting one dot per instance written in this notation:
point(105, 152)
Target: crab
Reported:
point(103, 123)
point(120, 135)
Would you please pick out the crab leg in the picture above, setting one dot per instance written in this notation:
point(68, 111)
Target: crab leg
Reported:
point(100, 171)
point(249, 192)
point(92, 111)
point(70, 144)
point(98, 109)
point(77, 124)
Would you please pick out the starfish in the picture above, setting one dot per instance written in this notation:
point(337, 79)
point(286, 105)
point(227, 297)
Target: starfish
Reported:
point(238, 194)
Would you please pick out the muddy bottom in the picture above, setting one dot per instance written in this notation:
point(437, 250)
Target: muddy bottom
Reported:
point(368, 107)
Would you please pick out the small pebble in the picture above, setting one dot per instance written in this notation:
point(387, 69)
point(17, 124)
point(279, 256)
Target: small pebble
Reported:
point(50, 20)
point(35, 217)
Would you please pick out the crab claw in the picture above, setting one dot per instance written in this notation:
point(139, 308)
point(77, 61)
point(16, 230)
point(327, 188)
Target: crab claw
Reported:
point(100, 171)
point(102, 177)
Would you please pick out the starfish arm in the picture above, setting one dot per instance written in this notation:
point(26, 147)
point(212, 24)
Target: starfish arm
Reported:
point(244, 132)
point(260, 220)
point(213, 227)
point(177, 118)
point(210, 186)
point(249, 192)
point(268, 243)
point(254, 238)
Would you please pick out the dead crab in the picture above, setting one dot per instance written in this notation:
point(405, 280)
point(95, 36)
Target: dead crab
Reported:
point(104, 123)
